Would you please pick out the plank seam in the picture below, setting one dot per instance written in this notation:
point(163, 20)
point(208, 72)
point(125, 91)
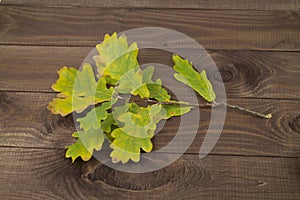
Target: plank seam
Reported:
point(211, 154)
point(89, 46)
point(140, 7)
point(50, 92)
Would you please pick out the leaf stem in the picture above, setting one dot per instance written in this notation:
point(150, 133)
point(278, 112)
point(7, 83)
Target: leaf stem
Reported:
point(213, 104)
point(268, 116)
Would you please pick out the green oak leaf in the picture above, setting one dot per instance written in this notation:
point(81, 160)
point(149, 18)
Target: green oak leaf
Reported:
point(132, 83)
point(135, 134)
point(118, 110)
point(126, 147)
point(107, 123)
point(78, 90)
point(65, 83)
point(189, 76)
point(102, 92)
point(147, 74)
point(139, 82)
point(175, 110)
point(138, 129)
point(158, 92)
point(115, 57)
point(159, 112)
point(138, 124)
point(94, 117)
point(87, 142)
point(155, 88)
point(134, 108)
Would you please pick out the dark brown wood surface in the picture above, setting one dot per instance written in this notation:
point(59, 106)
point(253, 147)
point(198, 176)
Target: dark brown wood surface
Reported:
point(169, 4)
point(255, 45)
point(27, 123)
point(44, 174)
point(252, 74)
point(213, 29)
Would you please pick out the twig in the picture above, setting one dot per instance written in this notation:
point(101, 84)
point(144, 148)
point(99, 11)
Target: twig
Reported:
point(213, 104)
point(268, 116)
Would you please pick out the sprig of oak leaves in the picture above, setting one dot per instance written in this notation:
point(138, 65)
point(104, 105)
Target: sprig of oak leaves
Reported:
point(129, 127)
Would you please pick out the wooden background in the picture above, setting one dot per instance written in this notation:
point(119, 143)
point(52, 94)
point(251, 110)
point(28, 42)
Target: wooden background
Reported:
point(256, 46)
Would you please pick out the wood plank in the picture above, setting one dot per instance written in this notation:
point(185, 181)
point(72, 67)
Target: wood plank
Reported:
point(26, 122)
point(214, 29)
point(46, 174)
point(252, 74)
point(188, 4)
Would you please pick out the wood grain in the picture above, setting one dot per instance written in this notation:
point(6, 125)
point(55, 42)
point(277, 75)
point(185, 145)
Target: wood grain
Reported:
point(46, 174)
point(252, 74)
point(27, 123)
point(214, 29)
point(167, 4)
point(256, 46)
